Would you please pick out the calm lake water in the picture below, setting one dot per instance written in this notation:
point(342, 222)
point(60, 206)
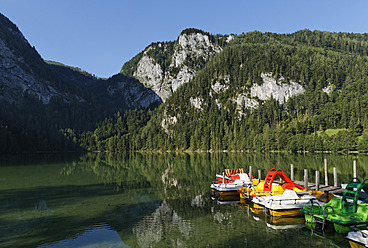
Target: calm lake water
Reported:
point(147, 200)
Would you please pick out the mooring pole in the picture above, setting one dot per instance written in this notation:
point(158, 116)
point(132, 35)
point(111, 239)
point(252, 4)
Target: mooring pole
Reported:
point(335, 176)
point(317, 180)
point(259, 176)
point(292, 172)
point(223, 177)
point(325, 198)
point(354, 169)
point(306, 179)
point(326, 173)
point(250, 172)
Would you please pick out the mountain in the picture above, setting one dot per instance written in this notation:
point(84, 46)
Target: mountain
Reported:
point(165, 66)
point(304, 91)
point(257, 92)
point(117, 91)
point(39, 98)
point(23, 72)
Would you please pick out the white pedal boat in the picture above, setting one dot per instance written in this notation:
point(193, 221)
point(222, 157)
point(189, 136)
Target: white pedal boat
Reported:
point(358, 238)
point(232, 188)
point(287, 204)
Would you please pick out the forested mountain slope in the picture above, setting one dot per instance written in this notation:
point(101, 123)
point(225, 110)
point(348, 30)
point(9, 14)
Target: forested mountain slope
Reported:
point(38, 99)
point(254, 91)
point(262, 91)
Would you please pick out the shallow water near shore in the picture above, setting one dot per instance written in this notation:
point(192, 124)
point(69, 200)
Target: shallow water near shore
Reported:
point(148, 200)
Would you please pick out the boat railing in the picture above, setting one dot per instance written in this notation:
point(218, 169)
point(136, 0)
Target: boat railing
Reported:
point(312, 214)
point(311, 208)
point(272, 193)
point(245, 191)
point(295, 200)
point(325, 213)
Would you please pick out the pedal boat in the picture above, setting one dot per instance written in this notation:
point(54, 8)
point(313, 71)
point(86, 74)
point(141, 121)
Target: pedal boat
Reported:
point(229, 175)
point(268, 187)
point(287, 204)
point(358, 239)
point(343, 213)
point(222, 189)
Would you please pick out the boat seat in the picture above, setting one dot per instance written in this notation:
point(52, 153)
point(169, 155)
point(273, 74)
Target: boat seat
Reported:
point(230, 172)
point(244, 177)
point(363, 211)
point(289, 194)
point(335, 203)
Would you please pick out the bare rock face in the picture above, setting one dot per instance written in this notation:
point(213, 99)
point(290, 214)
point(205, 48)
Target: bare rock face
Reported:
point(196, 102)
point(167, 123)
point(194, 45)
point(191, 52)
point(270, 88)
point(275, 88)
point(150, 73)
point(17, 80)
point(134, 95)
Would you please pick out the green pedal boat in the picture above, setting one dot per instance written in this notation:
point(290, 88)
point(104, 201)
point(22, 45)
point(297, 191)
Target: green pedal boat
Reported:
point(341, 212)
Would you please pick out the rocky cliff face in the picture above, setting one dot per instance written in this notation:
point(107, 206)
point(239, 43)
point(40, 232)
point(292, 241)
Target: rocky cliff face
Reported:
point(270, 87)
point(277, 89)
point(133, 93)
point(19, 77)
point(190, 52)
point(24, 73)
point(18, 80)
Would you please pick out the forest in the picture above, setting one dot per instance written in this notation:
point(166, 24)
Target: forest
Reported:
point(319, 120)
point(315, 121)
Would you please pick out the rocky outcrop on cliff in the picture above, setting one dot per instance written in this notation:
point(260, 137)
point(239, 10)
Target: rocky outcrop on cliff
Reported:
point(278, 89)
point(23, 72)
point(183, 59)
point(270, 87)
point(132, 92)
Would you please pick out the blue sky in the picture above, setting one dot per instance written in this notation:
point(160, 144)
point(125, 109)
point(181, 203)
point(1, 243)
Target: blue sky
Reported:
point(100, 36)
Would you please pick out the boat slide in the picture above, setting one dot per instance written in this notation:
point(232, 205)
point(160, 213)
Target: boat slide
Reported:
point(268, 187)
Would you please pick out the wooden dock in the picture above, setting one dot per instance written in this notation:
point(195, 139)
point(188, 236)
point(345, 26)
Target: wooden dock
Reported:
point(330, 189)
point(317, 185)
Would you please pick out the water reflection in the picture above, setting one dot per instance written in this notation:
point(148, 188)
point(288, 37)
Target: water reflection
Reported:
point(143, 200)
point(96, 236)
point(162, 223)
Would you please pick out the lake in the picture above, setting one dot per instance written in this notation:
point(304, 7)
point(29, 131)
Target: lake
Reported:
point(148, 200)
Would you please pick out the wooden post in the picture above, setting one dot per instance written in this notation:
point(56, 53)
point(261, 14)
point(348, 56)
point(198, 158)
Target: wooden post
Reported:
point(223, 177)
point(326, 173)
point(250, 172)
point(306, 179)
point(335, 176)
point(259, 176)
point(325, 197)
point(292, 172)
point(354, 169)
point(317, 180)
